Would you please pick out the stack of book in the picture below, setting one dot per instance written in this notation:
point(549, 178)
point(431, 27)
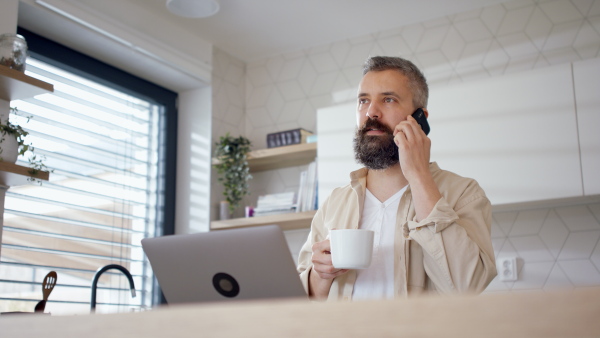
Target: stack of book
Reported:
point(274, 204)
point(288, 137)
point(307, 192)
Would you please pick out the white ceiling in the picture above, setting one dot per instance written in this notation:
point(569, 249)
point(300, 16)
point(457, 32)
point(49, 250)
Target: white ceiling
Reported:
point(255, 29)
point(250, 30)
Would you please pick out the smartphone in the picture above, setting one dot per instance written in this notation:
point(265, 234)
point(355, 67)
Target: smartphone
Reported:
point(419, 115)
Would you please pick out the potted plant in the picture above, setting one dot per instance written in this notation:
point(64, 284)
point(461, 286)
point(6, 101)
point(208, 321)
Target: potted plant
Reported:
point(233, 168)
point(9, 133)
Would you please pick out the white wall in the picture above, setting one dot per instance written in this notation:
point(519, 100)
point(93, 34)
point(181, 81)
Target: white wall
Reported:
point(228, 108)
point(193, 161)
point(8, 16)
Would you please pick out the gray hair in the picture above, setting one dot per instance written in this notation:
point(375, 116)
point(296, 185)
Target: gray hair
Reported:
point(416, 79)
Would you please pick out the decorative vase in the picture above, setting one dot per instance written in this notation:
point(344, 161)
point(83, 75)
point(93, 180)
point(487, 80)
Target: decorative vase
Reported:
point(9, 148)
point(224, 210)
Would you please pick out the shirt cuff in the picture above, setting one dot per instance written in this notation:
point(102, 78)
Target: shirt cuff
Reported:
point(441, 216)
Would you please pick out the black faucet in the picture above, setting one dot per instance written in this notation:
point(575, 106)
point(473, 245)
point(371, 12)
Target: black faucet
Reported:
point(100, 272)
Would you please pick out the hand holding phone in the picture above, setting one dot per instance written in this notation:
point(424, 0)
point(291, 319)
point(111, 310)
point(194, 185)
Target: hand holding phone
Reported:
point(419, 115)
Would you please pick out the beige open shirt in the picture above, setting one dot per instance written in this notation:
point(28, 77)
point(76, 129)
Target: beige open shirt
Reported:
point(449, 251)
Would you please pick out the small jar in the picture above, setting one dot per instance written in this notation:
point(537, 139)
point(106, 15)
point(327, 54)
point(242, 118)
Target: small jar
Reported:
point(13, 51)
point(249, 211)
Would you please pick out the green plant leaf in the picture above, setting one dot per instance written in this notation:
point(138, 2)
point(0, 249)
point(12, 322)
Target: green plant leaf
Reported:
point(11, 130)
point(233, 168)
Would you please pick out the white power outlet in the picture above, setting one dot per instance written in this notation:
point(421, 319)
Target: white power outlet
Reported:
point(507, 269)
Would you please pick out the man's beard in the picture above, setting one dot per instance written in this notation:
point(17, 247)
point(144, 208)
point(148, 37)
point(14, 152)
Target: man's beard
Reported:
point(375, 152)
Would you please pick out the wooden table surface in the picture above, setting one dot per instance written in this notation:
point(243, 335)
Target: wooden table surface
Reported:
point(525, 314)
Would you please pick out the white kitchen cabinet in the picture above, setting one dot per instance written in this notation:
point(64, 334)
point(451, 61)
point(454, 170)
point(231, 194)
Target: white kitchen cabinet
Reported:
point(586, 75)
point(335, 152)
point(515, 134)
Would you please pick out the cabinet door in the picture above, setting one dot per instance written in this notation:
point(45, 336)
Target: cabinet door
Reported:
point(515, 134)
point(586, 75)
point(335, 153)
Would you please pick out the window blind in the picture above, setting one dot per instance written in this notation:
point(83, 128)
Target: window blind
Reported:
point(100, 201)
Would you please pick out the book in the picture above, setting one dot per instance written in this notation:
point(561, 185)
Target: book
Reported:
point(273, 212)
point(287, 137)
point(311, 186)
point(301, 198)
point(273, 204)
point(311, 139)
point(307, 191)
point(285, 199)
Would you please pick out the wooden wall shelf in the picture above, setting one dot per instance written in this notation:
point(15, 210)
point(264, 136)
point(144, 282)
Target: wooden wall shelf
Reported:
point(290, 221)
point(270, 159)
point(13, 175)
point(280, 157)
point(15, 85)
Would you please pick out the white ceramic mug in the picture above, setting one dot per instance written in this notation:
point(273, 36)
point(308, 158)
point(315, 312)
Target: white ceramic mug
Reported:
point(351, 248)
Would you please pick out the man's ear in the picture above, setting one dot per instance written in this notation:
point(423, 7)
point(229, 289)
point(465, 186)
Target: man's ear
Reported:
point(426, 112)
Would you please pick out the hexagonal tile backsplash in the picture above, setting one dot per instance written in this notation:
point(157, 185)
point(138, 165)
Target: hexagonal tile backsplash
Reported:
point(556, 246)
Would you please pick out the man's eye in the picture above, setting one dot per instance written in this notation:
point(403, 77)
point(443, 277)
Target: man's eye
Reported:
point(362, 101)
point(388, 100)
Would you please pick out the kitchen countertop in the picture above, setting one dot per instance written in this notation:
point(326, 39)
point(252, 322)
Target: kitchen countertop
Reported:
point(521, 314)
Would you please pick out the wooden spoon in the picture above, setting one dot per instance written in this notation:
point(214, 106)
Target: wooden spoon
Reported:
point(47, 287)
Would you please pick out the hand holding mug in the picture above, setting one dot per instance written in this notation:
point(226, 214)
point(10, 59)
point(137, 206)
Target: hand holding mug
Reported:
point(321, 260)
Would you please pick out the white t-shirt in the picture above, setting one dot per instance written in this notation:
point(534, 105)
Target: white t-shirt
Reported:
point(377, 281)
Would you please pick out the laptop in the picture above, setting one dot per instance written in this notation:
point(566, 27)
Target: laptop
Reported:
point(224, 265)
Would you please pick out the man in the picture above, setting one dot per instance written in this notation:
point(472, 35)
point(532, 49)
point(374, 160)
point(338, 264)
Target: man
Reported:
point(432, 227)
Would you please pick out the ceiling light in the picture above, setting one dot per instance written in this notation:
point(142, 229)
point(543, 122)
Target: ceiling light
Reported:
point(193, 8)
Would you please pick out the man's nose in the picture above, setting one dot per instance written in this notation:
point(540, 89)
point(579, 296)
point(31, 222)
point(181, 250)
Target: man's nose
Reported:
point(374, 112)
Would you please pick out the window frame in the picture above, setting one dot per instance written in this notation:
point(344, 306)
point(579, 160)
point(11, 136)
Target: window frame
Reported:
point(86, 66)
